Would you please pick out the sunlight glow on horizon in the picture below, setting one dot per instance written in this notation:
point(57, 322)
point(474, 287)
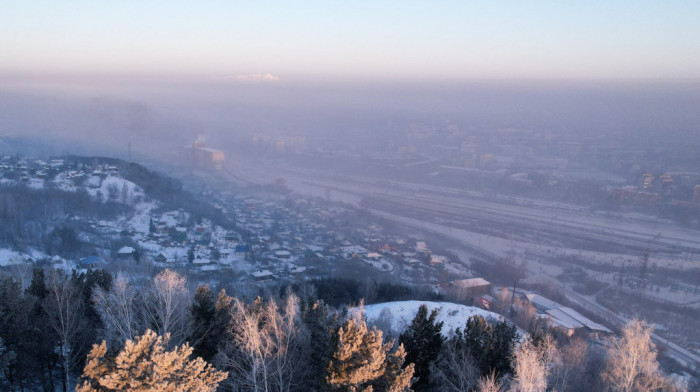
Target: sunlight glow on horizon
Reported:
point(382, 40)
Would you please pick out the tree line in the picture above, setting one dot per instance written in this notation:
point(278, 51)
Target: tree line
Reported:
point(97, 332)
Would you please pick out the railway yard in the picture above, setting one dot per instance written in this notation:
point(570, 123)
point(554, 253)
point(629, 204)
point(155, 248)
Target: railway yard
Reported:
point(614, 265)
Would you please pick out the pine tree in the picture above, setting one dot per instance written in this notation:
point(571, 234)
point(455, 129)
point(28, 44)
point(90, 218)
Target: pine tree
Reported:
point(396, 377)
point(151, 227)
point(362, 361)
point(491, 346)
point(22, 336)
point(423, 341)
point(144, 365)
point(37, 287)
point(6, 356)
point(505, 337)
point(190, 255)
point(210, 317)
point(38, 356)
point(319, 324)
point(477, 341)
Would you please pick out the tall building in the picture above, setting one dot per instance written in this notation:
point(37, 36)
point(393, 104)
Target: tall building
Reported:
point(203, 157)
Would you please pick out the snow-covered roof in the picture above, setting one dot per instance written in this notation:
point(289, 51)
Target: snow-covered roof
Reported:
point(584, 320)
point(542, 302)
point(91, 260)
point(262, 274)
point(421, 246)
point(565, 316)
point(562, 319)
point(126, 250)
point(353, 249)
point(471, 282)
point(94, 181)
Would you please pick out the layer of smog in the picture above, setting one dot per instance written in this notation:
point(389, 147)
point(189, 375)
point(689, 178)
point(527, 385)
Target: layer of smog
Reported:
point(303, 232)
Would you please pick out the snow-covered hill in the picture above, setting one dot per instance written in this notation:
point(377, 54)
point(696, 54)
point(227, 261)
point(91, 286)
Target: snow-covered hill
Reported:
point(400, 314)
point(115, 188)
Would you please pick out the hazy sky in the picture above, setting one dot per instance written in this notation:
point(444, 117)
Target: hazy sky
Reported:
point(341, 39)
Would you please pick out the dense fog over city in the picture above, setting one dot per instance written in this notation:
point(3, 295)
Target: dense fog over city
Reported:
point(146, 110)
point(433, 196)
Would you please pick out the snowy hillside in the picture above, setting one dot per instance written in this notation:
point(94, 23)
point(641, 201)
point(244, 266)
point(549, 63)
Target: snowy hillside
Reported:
point(402, 312)
point(117, 189)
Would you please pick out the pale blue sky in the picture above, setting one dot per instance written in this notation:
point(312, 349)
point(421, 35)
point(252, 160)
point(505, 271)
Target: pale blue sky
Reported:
point(368, 39)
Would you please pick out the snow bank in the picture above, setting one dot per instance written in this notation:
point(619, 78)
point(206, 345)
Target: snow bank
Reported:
point(402, 313)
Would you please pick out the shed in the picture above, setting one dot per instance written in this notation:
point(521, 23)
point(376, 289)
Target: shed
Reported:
point(92, 262)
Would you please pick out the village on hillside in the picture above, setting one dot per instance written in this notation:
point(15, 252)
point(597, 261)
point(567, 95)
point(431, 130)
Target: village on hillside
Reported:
point(272, 238)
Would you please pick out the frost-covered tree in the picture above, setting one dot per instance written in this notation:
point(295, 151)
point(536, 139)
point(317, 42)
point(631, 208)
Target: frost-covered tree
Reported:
point(145, 365)
point(266, 346)
point(362, 361)
point(632, 364)
point(455, 370)
point(396, 378)
point(64, 306)
point(119, 311)
point(167, 306)
point(568, 366)
point(489, 383)
point(530, 369)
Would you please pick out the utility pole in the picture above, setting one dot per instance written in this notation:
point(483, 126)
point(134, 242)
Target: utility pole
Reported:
point(130, 160)
point(645, 260)
point(621, 275)
point(512, 299)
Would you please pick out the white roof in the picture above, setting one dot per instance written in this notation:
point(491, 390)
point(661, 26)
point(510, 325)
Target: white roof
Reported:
point(126, 250)
point(564, 319)
point(353, 249)
point(565, 316)
point(472, 282)
point(584, 320)
point(542, 302)
point(94, 181)
point(262, 274)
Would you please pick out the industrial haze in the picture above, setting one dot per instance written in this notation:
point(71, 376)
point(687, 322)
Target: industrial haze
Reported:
point(345, 196)
point(611, 161)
